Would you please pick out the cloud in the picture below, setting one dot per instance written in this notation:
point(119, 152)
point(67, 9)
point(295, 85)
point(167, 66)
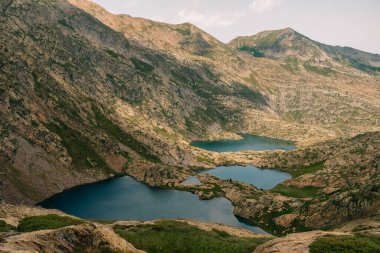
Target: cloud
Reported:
point(214, 19)
point(260, 6)
point(130, 3)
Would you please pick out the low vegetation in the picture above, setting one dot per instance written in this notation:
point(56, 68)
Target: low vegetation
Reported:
point(51, 221)
point(324, 71)
point(5, 227)
point(141, 66)
point(307, 169)
point(252, 51)
point(308, 191)
point(114, 130)
point(179, 237)
point(79, 147)
point(346, 244)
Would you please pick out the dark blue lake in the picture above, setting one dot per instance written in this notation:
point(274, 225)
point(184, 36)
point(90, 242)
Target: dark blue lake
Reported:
point(261, 178)
point(126, 199)
point(249, 142)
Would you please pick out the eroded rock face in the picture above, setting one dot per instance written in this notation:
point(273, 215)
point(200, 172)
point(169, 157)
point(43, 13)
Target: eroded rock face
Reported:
point(88, 237)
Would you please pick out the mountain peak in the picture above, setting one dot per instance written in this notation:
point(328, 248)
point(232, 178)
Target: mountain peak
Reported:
point(276, 44)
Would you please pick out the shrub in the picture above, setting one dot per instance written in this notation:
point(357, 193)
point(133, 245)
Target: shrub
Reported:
point(346, 244)
point(50, 221)
point(4, 227)
point(174, 236)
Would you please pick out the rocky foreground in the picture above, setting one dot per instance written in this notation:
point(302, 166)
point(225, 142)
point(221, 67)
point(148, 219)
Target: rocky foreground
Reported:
point(90, 236)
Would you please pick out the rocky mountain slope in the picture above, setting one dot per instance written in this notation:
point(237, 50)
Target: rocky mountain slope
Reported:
point(290, 45)
point(86, 95)
point(266, 76)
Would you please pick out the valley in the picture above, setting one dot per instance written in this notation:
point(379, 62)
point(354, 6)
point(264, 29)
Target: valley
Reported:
point(135, 126)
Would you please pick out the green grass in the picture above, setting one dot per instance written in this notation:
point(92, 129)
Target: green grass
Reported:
point(269, 40)
point(307, 191)
point(203, 159)
point(324, 71)
point(114, 130)
point(251, 50)
point(179, 237)
point(184, 31)
point(164, 133)
point(63, 22)
point(346, 244)
point(364, 67)
point(79, 147)
point(50, 221)
point(291, 64)
point(19, 181)
point(4, 227)
point(302, 170)
point(141, 66)
point(113, 54)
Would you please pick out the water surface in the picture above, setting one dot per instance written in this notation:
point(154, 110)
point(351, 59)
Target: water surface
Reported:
point(261, 178)
point(249, 142)
point(127, 199)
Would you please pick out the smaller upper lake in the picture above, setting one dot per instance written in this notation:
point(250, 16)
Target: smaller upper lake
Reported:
point(261, 178)
point(249, 142)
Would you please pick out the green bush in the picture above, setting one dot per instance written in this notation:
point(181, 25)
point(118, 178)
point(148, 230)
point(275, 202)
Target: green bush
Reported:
point(178, 237)
point(307, 191)
point(50, 221)
point(252, 51)
point(324, 71)
point(4, 227)
point(141, 66)
point(346, 244)
point(298, 171)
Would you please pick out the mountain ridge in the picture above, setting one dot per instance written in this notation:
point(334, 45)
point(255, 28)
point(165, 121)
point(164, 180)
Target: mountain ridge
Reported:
point(286, 42)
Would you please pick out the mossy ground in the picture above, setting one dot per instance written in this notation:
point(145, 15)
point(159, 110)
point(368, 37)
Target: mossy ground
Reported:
point(308, 191)
point(302, 170)
point(50, 221)
point(79, 147)
point(115, 131)
point(178, 237)
point(346, 244)
point(4, 227)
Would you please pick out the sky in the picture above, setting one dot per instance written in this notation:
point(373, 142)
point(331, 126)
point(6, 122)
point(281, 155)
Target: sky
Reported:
point(353, 23)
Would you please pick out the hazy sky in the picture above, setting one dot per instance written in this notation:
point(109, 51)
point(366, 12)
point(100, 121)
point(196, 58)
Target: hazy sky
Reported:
point(354, 23)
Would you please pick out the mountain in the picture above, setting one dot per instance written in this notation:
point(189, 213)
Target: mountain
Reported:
point(87, 95)
point(290, 45)
point(183, 40)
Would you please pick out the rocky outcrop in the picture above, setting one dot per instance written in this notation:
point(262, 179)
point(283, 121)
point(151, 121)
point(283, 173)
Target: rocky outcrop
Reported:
point(12, 214)
point(89, 237)
point(295, 243)
point(300, 242)
point(95, 237)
